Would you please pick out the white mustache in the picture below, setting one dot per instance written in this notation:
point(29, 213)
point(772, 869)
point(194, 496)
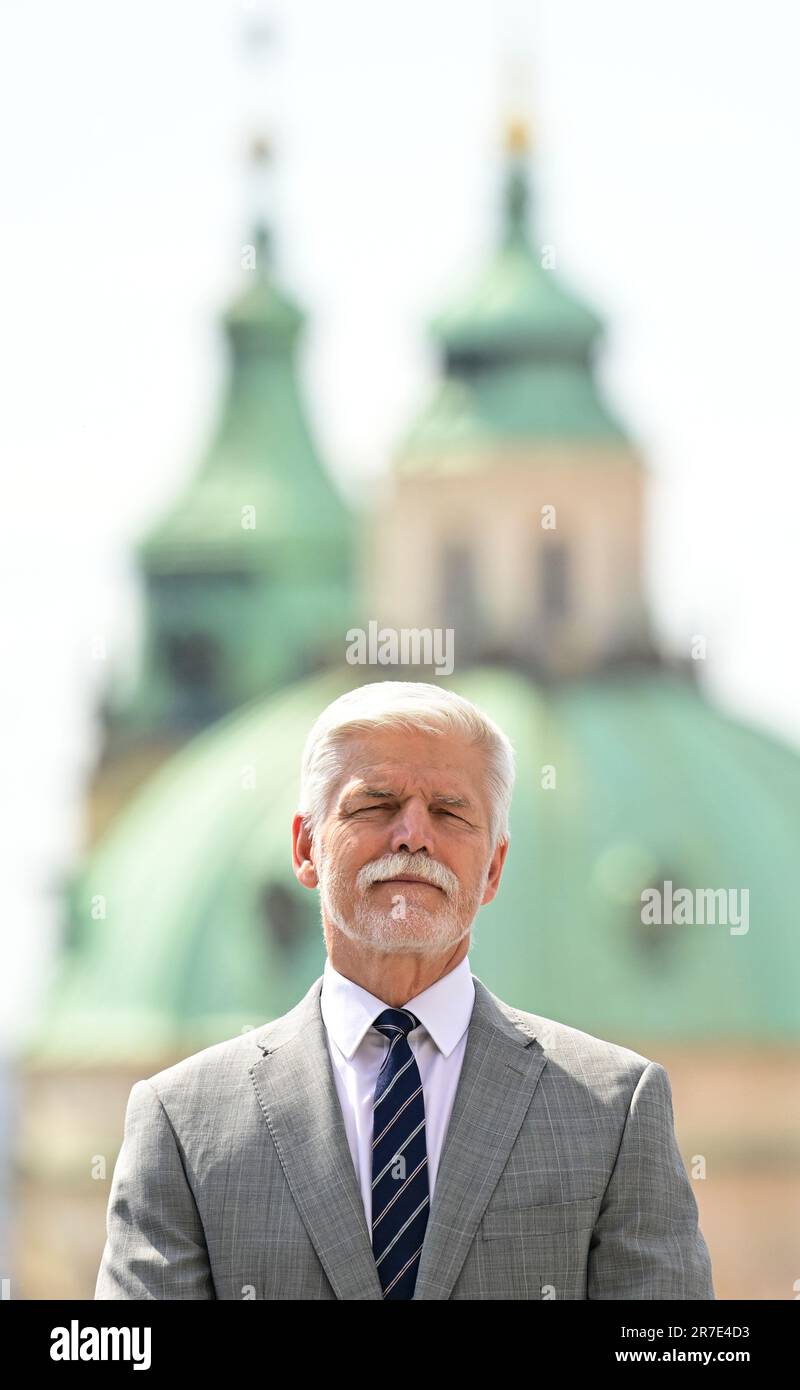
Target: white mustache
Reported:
point(396, 865)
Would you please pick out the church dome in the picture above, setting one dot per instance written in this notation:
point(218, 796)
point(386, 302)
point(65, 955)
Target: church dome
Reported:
point(187, 923)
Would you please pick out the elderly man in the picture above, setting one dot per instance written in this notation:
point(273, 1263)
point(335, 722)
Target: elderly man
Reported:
point(402, 1132)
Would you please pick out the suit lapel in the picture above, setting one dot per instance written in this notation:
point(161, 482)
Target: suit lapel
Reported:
point(499, 1074)
point(296, 1088)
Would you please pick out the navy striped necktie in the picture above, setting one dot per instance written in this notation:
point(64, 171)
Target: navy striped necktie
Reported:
point(400, 1194)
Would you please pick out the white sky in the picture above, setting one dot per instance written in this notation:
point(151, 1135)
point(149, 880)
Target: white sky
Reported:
point(666, 180)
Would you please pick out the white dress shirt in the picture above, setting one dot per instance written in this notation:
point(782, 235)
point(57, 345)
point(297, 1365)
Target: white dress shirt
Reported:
point(357, 1051)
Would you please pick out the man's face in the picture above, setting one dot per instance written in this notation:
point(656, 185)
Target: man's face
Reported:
point(409, 807)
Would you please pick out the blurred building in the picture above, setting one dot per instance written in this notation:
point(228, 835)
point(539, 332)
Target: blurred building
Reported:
point(512, 513)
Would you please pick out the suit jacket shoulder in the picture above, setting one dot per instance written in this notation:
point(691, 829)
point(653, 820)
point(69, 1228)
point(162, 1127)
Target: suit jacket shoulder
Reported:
point(232, 1057)
point(582, 1055)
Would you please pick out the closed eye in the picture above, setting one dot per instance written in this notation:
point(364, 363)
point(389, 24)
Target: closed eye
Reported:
point(382, 806)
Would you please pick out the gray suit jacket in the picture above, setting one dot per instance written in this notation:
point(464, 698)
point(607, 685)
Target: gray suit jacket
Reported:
point(560, 1175)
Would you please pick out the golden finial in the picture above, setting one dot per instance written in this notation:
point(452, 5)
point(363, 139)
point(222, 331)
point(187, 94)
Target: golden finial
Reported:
point(517, 136)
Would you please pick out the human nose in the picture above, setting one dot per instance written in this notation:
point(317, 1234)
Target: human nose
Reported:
point(411, 830)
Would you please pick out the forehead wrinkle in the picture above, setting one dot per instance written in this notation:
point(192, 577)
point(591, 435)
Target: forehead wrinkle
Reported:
point(377, 777)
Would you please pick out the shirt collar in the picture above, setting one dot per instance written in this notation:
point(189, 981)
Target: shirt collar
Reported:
point(444, 1008)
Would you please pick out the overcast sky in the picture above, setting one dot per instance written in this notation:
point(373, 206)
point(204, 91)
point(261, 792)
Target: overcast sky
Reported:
point(665, 178)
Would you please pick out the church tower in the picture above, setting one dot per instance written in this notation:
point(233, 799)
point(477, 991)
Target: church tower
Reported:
point(513, 514)
point(246, 577)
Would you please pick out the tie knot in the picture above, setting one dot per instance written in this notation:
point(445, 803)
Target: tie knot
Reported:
point(394, 1021)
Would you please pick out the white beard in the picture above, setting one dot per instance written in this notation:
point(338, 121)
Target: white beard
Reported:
point(407, 927)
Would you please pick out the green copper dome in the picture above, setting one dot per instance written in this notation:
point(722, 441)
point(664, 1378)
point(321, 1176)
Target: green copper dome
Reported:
point(516, 350)
point(248, 576)
point(516, 305)
point(261, 456)
point(187, 923)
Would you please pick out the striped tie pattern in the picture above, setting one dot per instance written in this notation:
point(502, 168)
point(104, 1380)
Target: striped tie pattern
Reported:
point(400, 1194)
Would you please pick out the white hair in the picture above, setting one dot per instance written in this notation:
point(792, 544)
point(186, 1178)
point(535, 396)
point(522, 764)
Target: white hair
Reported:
point(414, 707)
